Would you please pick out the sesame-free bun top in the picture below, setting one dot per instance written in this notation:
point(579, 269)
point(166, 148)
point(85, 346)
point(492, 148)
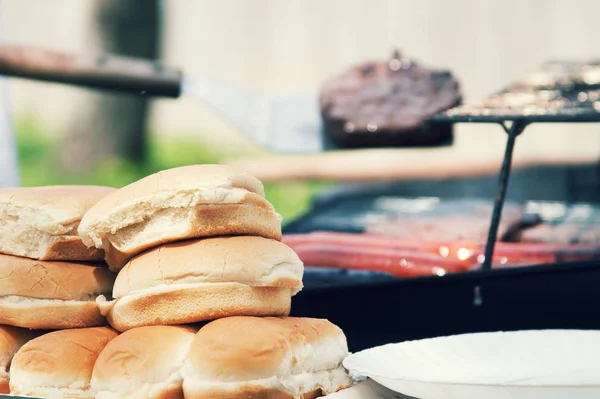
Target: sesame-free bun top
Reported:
point(239, 356)
point(175, 204)
point(249, 260)
point(41, 222)
point(203, 279)
point(11, 339)
point(51, 295)
point(65, 281)
point(54, 204)
point(143, 363)
point(59, 364)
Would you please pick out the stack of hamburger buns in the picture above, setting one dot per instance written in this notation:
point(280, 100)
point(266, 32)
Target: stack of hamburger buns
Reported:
point(192, 244)
point(196, 287)
point(50, 279)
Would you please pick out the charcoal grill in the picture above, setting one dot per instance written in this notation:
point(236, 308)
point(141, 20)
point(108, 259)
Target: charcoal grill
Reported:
point(377, 311)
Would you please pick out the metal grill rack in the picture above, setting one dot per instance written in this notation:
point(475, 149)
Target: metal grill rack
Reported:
point(565, 92)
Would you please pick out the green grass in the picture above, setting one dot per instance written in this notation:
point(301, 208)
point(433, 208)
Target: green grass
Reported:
point(38, 152)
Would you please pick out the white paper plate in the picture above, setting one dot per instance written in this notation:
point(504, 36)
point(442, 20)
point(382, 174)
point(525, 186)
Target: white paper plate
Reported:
point(366, 390)
point(544, 364)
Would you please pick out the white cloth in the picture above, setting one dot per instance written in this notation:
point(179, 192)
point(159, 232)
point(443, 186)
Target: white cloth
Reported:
point(9, 172)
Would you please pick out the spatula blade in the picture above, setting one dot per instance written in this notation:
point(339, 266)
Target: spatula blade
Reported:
point(295, 124)
point(286, 123)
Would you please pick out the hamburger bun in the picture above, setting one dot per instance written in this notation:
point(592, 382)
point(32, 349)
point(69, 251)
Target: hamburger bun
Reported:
point(177, 204)
point(11, 339)
point(270, 357)
point(59, 364)
point(204, 279)
point(41, 222)
point(51, 295)
point(143, 363)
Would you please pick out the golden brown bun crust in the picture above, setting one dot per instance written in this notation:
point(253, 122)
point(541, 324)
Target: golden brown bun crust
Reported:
point(52, 280)
point(41, 222)
point(259, 351)
point(250, 260)
point(43, 314)
point(51, 295)
point(72, 249)
point(178, 204)
point(11, 339)
point(143, 362)
point(252, 393)
point(58, 359)
point(173, 391)
point(140, 350)
point(195, 304)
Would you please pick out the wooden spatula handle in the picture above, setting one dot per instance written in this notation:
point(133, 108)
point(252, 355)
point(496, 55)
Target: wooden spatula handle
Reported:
point(107, 72)
point(400, 164)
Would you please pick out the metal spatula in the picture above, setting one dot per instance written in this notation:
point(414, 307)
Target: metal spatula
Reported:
point(288, 123)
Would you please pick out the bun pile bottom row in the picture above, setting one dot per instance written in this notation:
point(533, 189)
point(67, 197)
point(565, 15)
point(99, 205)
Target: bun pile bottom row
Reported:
point(175, 286)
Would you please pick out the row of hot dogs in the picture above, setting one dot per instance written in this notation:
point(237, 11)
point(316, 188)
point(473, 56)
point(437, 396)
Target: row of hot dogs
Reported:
point(410, 258)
